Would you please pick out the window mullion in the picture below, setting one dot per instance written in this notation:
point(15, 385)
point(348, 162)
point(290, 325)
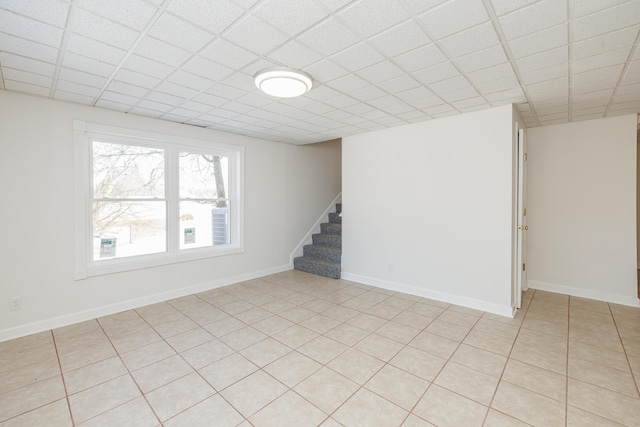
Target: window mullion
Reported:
point(172, 196)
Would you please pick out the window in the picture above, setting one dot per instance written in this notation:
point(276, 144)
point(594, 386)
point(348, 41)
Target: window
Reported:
point(144, 199)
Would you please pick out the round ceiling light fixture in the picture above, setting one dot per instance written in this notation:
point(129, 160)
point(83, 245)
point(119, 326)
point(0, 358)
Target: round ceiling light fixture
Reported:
point(283, 82)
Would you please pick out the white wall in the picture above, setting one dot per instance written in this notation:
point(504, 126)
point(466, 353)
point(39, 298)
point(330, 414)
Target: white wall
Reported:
point(435, 201)
point(582, 209)
point(37, 216)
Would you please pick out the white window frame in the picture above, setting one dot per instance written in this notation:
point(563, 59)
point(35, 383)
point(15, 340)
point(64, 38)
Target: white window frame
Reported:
point(85, 132)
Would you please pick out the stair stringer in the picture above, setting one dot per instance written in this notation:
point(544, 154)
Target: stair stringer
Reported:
point(308, 239)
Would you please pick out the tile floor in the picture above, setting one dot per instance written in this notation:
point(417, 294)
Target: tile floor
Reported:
point(293, 349)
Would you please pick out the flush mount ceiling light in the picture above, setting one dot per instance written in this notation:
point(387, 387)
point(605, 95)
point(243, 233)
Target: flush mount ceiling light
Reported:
point(283, 82)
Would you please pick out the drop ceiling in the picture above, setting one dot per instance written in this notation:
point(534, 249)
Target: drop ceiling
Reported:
point(376, 63)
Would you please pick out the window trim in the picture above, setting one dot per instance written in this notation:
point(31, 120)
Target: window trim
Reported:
point(84, 265)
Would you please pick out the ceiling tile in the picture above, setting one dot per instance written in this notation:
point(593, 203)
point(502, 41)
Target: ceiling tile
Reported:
point(77, 88)
point(419, 6)
point(482, 59)
point(162, 52)
point(149, 67)
point(26, 77)
point(608, 20)
point(26, 88)
point(612, 72)
point(548, 85)
point(606, 59)
point(502, 7)
point(224, 91)
point(214, 17)
point(606, 42)
point(94, 49)
point(290, 16)
point(177, 32)
point(463, 93)
point(633, 74)
point(26, 64)
point(136, 79)
point(98, 28)
point(295, 55)
point(325, 70)
point(329, 37)
point(91, 66)
point(380, 72)
point(399, 84)
point(52, 12)
point(453, 83)
point(121, 98)
point(347, 83)
point(207, 69)
point(367, 93)
point(135, 14)
point(510, 96)
point(549, 58)
point(227, 53)
point(436, 73)
point(82, 77)
point(112, 105)
point(400, 39)
point(496, 72)
point(549, 73)
point(73, 97)
point(255, 36)
point(209, 99)
point(123, 88)
point(533, 18)
point(473, 40)
point(587, 7)
point(30, 29)
point(420, 58)
point(498, 85)
point(369, 17)
point(540, 41)
point(414, 94)
point(454, 16)
point(28, 48)
point(358, 57)
point(164, 98)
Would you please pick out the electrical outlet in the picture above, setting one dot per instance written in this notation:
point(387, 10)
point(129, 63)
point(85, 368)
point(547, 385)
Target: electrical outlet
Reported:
point(15, 303)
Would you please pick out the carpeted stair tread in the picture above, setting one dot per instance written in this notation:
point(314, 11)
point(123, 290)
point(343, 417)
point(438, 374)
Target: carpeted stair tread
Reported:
point(318, 267)
point(326, 253)
point(335, 218)
point(331, 228)
point(331, 240)
point(324, 256)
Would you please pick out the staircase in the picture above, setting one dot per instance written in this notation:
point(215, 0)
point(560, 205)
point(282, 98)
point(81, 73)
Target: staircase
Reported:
point(323, 257)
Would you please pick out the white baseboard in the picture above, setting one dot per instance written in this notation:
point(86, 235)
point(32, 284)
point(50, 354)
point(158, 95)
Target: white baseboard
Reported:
point(585, 293)
point(502, 310)
point(314, 229)
point(69, 319)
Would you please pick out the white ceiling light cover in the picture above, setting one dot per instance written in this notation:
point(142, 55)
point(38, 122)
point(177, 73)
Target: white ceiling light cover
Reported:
point(283, 82)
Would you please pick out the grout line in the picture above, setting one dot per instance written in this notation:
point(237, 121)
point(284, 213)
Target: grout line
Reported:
point(64, 383)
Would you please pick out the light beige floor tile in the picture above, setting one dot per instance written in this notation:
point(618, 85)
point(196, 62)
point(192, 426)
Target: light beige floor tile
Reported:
point(594, 326)
point(435, 344)
point(297, 314)
point(224, 326)
point(605, 403)
point(379, 347)
point(539, 357)
point(447, 409)
point(414, 421)
point(236, 307)
point(242, 338)
point(292, 368)
point(528, 406)
point(15, 357)
point(147, 355)
point(365, 409)
point(295, 336)
point(599, 356)
point(320, 323)
point(497, 328)
point(383, 311)
point(430, 310)
point(414, 320)
point(356, 365)
point(134, 413)
point(54, 414)
point(481, 360)
point(322, 349)
point(101, 398)
point(160, 373)
point(265, 351)
point(341, 313)
point(326, 389)
point(498, 419)
point(398, 386)
point(448, 330)
point(489, 342)
point(459, 318)
point(253, 393)
point(30, 397)
point(579, 418)
point(398, 332)
point(543, 341)
point(70, 344)
point(174, 327)
point(23, 344)
point(190, 339)
point(94, 374)
point(347, 334)
point(513, 321)
point(227, 371)
point(602, 376)
point(89, 326)
point(288, 410)
point(467, 382)
point(577, 303)
point(536, 379)
point(417, 362)
point(212, 411)
point(206, 354)
point(86, 356)
point(367, 322)
point(330, 422)
point(127, 342)
point(318, 305)
point(272, 325)
point(254, 315)
point(175, 397)
point(543, 325)
point(24, 375)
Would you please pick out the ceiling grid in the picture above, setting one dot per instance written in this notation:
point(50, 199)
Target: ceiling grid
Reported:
point(376, 63)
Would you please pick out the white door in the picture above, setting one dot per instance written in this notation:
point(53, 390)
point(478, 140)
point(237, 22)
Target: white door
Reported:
point(521, 275)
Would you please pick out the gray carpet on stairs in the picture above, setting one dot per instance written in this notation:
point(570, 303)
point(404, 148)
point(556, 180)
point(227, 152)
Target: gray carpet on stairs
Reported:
point(324, 256)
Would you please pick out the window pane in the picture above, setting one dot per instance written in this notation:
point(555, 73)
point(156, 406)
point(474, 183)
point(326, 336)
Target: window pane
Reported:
point(203, 176)
point(204, 224)
point(123, 229)
point(125, 171)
